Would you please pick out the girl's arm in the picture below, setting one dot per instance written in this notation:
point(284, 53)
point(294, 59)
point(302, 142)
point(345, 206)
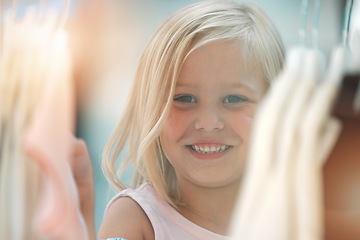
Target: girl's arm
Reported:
point(125, 218)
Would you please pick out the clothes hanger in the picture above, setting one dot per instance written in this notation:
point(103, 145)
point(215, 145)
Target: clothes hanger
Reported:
point(306, 202)
point(318, 132)
point(347, 103)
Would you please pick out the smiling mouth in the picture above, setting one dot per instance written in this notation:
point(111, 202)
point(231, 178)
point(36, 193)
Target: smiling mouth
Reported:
point(209, 149)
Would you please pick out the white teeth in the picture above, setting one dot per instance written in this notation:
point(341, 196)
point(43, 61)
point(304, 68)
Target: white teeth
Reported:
point(211, 149)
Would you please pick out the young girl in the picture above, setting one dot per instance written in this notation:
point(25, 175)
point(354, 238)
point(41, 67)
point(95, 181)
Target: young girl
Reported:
point(187, 124)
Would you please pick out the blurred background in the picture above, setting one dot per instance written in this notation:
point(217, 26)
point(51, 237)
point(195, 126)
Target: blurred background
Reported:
point(108, 37)
point(131, 26)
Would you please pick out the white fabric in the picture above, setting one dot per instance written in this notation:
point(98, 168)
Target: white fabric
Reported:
point(281, 197)
point(318, 133)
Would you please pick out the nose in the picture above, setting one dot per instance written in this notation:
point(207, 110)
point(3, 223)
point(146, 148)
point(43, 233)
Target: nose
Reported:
point(208, 119)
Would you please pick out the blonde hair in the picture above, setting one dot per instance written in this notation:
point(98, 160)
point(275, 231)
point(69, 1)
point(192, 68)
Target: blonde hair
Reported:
point(137, 133)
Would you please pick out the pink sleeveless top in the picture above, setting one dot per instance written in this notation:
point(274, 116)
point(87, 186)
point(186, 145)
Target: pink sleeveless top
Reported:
point(167, 223)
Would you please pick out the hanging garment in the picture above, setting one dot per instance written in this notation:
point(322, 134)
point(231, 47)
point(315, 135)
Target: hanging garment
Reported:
point(36, 54)
point(19, 94)
point(318, 132)
point(253, 208)
point(273, 193)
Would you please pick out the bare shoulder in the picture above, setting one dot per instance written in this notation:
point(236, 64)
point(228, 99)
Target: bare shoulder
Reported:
point(126, 219)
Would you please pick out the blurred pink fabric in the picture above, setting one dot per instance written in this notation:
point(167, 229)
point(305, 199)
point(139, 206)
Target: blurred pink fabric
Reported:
point(48, 141)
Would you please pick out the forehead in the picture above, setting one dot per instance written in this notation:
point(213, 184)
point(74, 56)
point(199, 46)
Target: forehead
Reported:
point(220, 61)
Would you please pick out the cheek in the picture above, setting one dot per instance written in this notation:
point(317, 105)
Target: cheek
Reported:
point(175, 127)
point(242, 122)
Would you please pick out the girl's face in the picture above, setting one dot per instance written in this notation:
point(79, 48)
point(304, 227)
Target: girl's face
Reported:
point(206, 136)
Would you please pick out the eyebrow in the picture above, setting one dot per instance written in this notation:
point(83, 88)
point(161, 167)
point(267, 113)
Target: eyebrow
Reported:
point(237, 84)
point(242, 85)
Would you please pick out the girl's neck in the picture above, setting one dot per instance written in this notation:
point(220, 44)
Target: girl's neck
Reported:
point(209, 207)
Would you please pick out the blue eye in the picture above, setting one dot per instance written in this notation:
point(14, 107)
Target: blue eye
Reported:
point(235, 99)
point(185, 99)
